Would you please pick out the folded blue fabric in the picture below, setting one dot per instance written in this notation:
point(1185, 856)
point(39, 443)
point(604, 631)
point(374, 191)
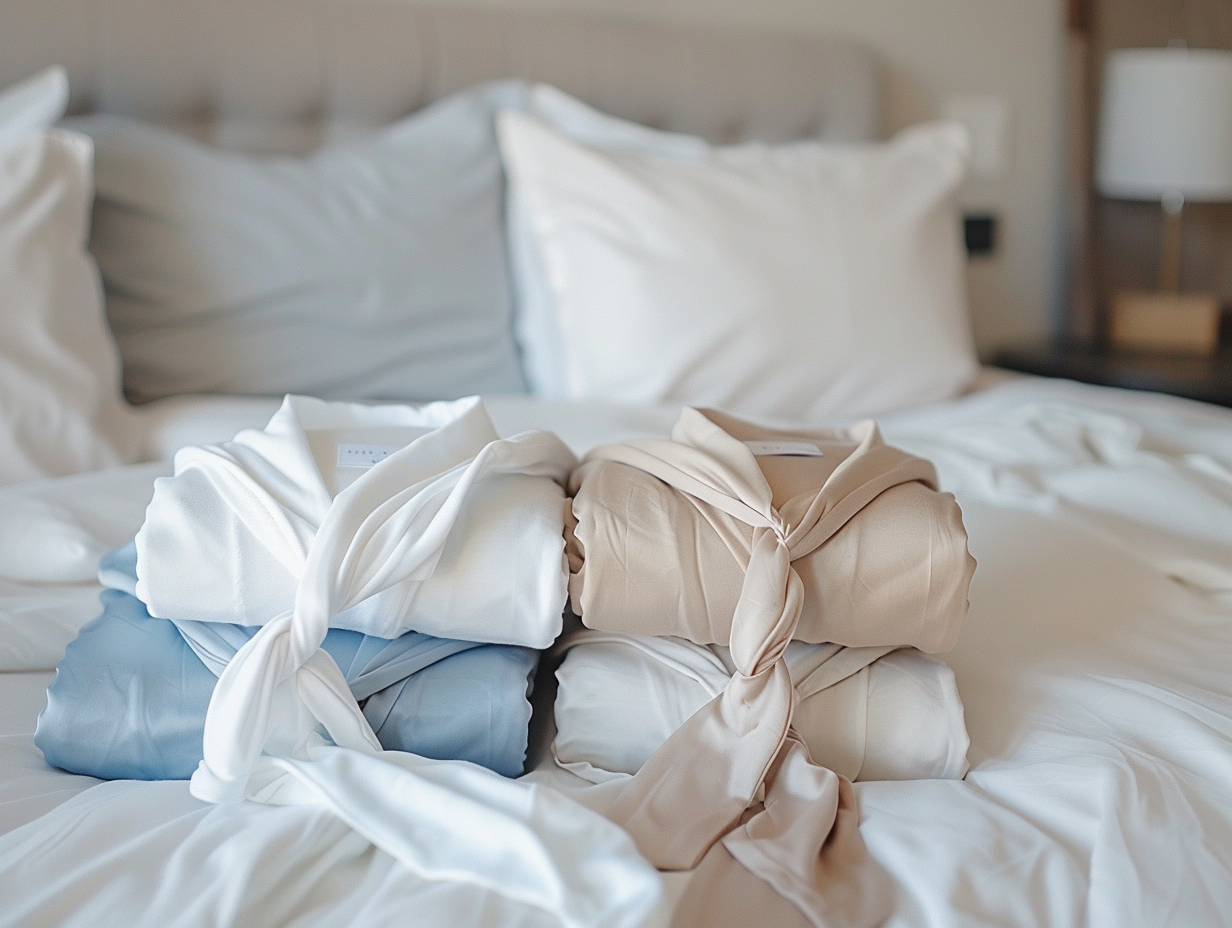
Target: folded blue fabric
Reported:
point(129, 698)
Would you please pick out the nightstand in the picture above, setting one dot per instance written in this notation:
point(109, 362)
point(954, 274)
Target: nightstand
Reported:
point(1198, 378)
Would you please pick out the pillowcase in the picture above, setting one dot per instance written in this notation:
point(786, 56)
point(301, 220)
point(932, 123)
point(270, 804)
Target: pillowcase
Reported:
point(802, 281)
point(535, 324)
point(374, 269)
point(60, 406)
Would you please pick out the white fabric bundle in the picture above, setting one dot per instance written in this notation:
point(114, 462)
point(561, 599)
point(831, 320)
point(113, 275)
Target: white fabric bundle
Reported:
point(864, 713)
point(227, 539)
point(417, 489)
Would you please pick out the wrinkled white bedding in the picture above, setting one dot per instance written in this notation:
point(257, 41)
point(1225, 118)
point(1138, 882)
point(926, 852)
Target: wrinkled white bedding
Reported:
point(1094, 668)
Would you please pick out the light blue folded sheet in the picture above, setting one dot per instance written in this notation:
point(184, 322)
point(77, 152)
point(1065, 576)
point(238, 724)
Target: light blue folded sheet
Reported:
point(129, 698)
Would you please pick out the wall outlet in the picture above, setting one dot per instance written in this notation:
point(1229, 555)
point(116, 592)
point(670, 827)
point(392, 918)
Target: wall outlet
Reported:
point(980, 233)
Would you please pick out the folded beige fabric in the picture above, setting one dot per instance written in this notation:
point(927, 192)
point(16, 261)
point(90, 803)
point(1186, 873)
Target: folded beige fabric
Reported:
point(709, 536)
point(647, 559)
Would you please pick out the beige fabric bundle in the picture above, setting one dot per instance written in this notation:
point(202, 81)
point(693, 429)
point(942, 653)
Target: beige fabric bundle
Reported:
point(737, 535)
point(647, 559)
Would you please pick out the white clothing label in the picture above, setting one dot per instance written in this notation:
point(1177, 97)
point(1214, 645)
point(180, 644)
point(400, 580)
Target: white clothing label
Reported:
point(364, 455)
point(796, 449)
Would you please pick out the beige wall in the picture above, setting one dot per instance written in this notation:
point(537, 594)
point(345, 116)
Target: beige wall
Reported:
point(1013, 48)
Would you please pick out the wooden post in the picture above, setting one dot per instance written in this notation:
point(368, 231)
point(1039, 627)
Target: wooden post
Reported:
point(1170, 245)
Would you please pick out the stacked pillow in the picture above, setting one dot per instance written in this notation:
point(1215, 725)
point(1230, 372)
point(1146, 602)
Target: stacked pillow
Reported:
point(801, 281)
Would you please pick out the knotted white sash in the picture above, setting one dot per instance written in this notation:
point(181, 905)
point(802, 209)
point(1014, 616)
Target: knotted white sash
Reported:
point(703, 784)
point(387, 528)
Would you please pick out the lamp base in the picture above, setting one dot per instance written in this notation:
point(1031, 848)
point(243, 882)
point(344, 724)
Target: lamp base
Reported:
point(1186, 323)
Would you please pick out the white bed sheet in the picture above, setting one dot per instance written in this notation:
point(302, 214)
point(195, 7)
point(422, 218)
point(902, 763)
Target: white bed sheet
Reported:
point(1094, 667)
point(28, 787)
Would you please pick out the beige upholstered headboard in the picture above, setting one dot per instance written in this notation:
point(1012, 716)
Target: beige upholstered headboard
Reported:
point(286, 75)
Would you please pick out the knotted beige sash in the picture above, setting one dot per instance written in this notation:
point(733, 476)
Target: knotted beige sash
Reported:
point(736, 771)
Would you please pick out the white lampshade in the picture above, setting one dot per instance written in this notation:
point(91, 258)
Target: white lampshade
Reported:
point(1166, 125)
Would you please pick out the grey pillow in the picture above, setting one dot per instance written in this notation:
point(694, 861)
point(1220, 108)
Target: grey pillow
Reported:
point(374, 269)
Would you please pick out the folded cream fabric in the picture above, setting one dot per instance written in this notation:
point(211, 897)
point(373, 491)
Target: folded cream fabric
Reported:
point(863, 713)
point(655, 520)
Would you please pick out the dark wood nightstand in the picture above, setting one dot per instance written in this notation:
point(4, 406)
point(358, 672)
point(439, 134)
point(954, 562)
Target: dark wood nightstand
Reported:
point(1198, 378)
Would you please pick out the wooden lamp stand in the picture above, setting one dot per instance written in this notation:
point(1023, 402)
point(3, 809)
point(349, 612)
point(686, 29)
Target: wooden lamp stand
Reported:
point(1166, 320)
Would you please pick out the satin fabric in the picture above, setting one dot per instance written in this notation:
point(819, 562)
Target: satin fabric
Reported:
point(862, 712)
point(736, 771)
point(130, 696)
point(896, 574)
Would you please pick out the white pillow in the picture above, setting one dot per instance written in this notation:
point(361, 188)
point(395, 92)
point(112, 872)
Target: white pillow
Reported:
point(535, 323)
point(60, 405)
point(799, 281)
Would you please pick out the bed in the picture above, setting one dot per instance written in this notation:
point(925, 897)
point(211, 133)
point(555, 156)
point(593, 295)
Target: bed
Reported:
point(1092, 665)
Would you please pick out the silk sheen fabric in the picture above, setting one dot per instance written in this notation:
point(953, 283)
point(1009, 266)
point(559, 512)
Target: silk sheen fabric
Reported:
point(243, 521)
point(863, 713)
point(737, 772)
point(130, 696)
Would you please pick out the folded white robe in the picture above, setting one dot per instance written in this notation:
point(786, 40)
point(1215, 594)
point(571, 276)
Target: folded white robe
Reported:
point(228, 538)
point(863, 713)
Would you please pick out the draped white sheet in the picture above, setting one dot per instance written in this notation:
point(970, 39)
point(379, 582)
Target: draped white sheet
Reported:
point(149, 854)
point(1097, 696)
point(52, 533)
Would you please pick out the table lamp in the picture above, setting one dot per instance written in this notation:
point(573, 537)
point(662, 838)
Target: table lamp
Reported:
point(1165, 135)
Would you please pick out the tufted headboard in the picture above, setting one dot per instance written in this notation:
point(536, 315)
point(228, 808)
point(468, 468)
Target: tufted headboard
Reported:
point(287, 75)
